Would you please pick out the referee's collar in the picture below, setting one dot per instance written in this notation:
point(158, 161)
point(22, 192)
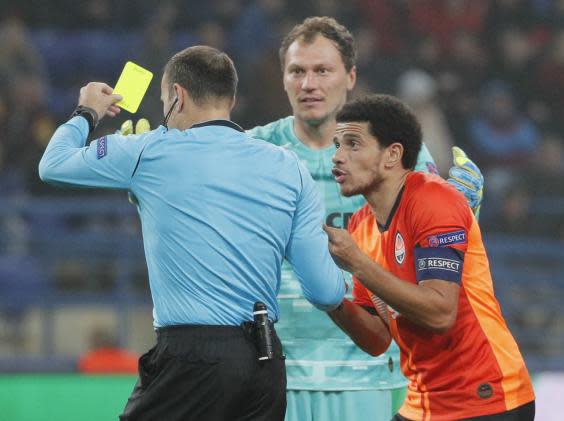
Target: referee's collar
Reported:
point(226, 123)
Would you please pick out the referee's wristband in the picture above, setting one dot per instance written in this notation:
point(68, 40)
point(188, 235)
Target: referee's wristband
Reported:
point(89, 114)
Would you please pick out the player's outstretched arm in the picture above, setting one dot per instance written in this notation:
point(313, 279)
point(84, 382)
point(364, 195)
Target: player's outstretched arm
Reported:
point(467, 178)
point(368, 332)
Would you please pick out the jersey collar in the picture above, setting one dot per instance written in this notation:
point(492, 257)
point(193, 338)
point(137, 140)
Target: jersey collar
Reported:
point(225, 123)
point(383, 228)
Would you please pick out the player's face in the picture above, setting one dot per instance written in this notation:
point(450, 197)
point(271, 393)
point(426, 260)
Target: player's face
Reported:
point(316, 80)
point(358, 159)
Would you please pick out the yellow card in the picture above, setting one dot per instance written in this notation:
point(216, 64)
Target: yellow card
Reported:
point(132, 85)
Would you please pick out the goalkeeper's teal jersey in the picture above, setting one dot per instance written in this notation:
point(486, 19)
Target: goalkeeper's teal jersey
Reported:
point(319, 356)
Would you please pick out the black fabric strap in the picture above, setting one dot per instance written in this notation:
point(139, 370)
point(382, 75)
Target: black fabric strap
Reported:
point(89, 114)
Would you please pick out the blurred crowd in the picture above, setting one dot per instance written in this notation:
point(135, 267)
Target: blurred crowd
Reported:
point(485, 75)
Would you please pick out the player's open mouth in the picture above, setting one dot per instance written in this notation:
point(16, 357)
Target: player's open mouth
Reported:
point(339, 175)
point(310, 100)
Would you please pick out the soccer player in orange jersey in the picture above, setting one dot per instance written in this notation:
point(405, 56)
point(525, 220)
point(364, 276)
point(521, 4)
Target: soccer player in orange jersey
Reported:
point(416, 253)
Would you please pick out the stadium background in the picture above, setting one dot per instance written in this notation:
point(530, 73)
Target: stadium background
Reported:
point(482, 74)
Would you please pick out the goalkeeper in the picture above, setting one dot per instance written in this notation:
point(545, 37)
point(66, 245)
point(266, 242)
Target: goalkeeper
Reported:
point(329, 377)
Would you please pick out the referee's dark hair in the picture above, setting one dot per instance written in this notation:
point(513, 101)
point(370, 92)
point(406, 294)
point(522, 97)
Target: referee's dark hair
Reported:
point(310, 28)
point(206, 73)
point(389, 121)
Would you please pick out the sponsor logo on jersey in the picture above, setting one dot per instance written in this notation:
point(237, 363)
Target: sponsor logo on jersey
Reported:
point(438, 263)
point(102, 147)
point(323, 177)
point(446, 239)
point(338, 219)
point(399, 248)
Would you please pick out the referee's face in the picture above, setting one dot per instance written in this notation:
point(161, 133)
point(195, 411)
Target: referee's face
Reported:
point(316, 80)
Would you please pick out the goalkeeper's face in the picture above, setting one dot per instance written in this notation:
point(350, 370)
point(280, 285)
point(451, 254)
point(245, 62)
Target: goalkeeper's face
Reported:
point(316, 80)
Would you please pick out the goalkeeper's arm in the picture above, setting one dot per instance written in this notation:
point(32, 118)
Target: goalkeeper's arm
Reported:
point(467, 178)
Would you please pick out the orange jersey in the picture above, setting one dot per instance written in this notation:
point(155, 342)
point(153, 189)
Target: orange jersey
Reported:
point(475, 368)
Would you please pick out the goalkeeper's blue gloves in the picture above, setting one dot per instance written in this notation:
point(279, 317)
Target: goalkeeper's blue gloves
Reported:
point(467, 179)
point(126, 129)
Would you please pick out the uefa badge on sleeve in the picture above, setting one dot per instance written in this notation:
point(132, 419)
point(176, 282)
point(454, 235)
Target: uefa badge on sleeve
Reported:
point(102, 147)
point(399, 249)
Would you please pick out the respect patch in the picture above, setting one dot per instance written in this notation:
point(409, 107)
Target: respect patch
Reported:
point(438, 263)
point(447, 239)
point(102, 147)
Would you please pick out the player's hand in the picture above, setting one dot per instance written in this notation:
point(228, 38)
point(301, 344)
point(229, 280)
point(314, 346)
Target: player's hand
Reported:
point(343, 249)
point(99, 97)
point(467, 178)
point(141, 127)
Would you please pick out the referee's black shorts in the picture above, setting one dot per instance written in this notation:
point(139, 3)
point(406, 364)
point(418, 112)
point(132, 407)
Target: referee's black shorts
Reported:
point(207, 373)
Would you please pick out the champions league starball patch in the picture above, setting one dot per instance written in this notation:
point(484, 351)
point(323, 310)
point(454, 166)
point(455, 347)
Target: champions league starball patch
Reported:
point(102, 147)
point(399, 248)
point(447, 239)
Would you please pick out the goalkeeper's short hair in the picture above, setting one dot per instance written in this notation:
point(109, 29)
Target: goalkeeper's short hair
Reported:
point(327, 27)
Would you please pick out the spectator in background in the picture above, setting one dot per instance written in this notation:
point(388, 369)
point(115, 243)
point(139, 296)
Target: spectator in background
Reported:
point(514, 215)
point(542, 185)
point(514, 53)
point(26, 124)
point(466, 61)
point(106, 356)
point(384, 18)
point(419, 90)
point(253, 34)
point(549, 165)
point(549, 79)
point(157, 48)
point(18, 57)
point(443, 19)
point(500, 135)
point(376, 70)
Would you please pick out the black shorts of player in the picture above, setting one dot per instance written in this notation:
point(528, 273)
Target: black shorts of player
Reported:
point(521, 413)
point(208, 373)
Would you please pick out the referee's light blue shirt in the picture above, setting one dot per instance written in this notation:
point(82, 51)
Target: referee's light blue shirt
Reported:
point(219, 213)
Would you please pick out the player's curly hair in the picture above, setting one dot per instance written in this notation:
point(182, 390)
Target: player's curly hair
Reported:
point(328, 27)
point(390, 121)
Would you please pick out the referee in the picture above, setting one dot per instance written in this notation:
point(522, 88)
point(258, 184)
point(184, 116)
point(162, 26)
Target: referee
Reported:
point(219, 212)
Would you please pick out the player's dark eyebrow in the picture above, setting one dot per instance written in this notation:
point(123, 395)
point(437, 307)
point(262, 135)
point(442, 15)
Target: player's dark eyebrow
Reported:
point(351, 135)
